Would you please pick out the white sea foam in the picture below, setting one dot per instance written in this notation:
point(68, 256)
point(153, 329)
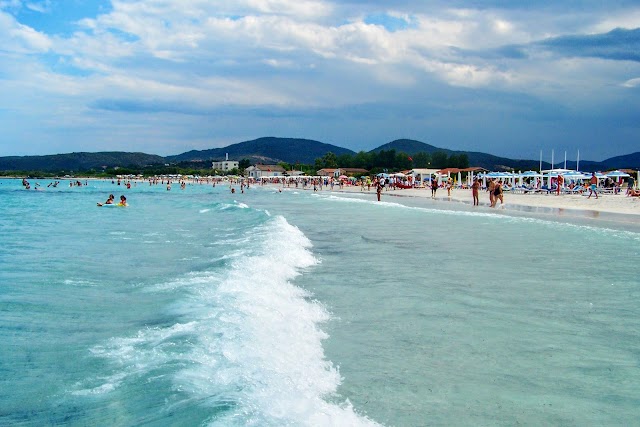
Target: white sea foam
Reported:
point(250, 337)
point(494, 215)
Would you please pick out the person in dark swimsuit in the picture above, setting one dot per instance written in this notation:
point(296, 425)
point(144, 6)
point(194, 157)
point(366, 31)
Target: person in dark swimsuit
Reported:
point(497, 194)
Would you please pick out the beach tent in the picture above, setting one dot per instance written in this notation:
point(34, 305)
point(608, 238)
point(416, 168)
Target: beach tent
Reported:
point(422, 175)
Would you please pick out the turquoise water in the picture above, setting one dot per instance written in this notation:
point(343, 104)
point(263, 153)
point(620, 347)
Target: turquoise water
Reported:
point(202, 307)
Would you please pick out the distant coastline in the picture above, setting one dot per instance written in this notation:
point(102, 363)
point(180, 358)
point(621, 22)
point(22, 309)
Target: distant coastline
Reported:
point(273, 150)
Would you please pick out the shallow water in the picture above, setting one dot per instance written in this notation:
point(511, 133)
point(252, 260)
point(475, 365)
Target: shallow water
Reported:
point(197, 306)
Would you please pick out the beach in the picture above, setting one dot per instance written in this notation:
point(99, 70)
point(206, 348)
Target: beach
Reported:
point(540, 202)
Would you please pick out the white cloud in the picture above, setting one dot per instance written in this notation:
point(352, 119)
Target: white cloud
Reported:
point(10, 4)
point(41, 6)
point(18, 38)
point(302, 54)
point(611, 20)
point(632, 83)
point(299, 8)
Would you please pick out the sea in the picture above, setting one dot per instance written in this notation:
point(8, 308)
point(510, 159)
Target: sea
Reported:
point(281, 306)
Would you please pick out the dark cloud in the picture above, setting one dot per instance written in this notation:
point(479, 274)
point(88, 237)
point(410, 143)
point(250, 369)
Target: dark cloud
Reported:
point(619, 44)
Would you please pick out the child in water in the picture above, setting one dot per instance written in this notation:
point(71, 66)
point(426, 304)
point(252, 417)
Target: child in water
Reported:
point(108, 202)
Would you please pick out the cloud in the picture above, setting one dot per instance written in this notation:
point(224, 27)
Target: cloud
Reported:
point(365, 69)
point(618, 44)
point(39, 6)
point(21, 39)
point(631, 83)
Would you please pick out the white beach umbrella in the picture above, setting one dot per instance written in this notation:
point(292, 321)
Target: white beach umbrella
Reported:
point(459, 178)
point(617, 174)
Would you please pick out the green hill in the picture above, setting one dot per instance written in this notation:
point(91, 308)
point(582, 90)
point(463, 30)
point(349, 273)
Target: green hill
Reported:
point(409, 146)
point(267, 150)
point(628, 161)
point(273, 150)
point(484, 160)
point(74, 162)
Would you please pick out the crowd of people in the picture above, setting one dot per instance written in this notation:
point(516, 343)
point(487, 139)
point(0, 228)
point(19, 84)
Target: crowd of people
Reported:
point(495, 187)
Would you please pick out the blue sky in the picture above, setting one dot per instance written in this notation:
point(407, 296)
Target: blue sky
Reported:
point(168, 76)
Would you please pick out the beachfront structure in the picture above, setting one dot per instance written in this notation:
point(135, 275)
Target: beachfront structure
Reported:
point(225, 165)
point(421, 175)
point(342, 171)
point(264, 171)
point(350, 172)
point(326, 172)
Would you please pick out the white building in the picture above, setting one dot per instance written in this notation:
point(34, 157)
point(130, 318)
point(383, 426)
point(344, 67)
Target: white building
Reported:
point(225, 165)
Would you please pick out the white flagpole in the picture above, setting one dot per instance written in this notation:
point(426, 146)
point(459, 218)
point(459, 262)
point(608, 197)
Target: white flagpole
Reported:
point(565, 159)
point(578, 161)
point(540, 161)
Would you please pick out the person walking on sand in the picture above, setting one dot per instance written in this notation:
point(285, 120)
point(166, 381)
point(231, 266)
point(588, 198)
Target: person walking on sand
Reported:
point(475, 188)
point(594, 185)
point(560, 182)
point(630, 184)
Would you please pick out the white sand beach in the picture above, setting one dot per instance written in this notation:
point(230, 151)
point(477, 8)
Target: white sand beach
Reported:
point(605, 203)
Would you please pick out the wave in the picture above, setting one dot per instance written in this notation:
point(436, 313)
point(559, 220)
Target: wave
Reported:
point(506, 218)
point(248, 340)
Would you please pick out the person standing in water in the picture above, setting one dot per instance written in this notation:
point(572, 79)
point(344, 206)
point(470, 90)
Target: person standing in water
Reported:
point(475, 189)
point(497, 194)
point(491, 187)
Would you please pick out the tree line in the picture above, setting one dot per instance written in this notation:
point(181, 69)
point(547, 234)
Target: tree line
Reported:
point(374, 162)
point(390, 160)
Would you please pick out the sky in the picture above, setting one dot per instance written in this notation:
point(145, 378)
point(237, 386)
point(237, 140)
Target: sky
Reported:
point(510, 78)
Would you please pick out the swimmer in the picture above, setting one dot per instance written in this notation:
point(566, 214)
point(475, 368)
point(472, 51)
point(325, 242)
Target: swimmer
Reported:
point(109, 201)
point(123, 201)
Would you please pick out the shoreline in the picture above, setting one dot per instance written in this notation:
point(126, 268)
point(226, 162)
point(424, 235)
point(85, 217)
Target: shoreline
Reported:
point(617, 208)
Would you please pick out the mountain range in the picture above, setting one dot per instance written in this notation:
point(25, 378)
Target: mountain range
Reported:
point(271, 150)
